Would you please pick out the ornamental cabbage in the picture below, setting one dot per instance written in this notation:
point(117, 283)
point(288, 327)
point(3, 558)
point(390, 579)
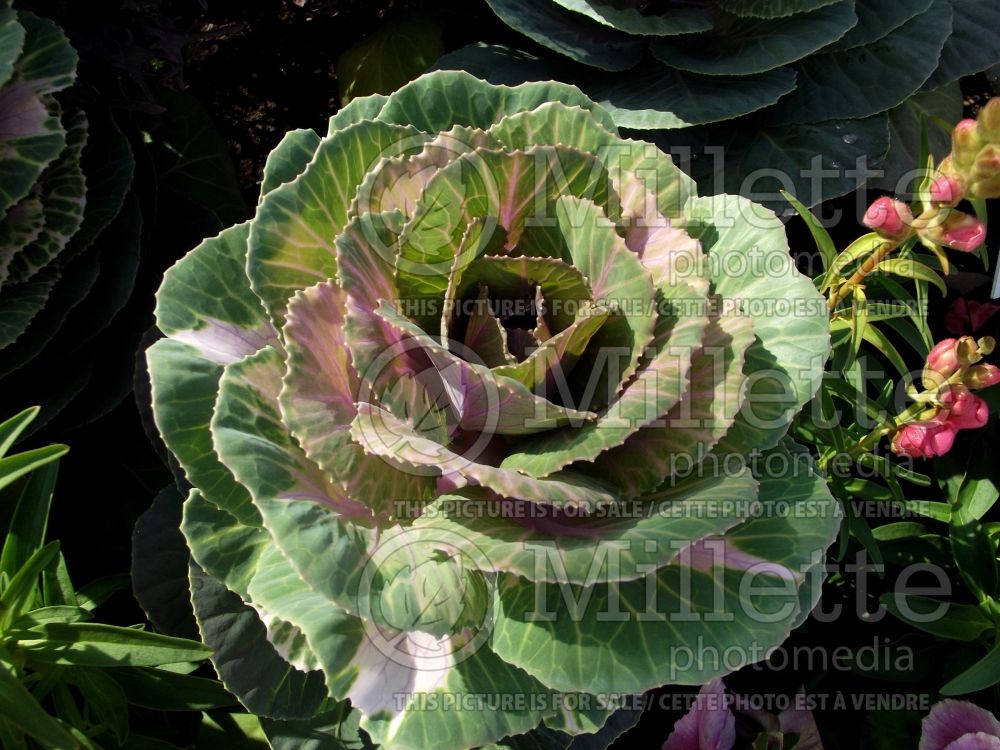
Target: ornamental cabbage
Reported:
point(484, 419)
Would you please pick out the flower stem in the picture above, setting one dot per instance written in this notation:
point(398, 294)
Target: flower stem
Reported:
point(870, 264)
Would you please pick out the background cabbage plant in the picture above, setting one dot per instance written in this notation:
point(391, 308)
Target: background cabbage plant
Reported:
point(483, 415)
point(774, 83)
point(69, 229)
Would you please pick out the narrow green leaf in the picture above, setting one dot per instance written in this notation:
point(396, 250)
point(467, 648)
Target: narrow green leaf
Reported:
point(27, 527)
point(876, 338)
point(981, 675)
point(20, 708)
point(18, 594)
point(960, 622)
point(973, 551)
point(824, 242)
point(911, 269)
point(11, 429)
point(99, 645)
point(20, 464)
point(859, 308)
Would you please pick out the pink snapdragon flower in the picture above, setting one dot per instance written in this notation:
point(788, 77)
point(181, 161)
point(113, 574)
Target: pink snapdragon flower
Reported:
point(960, 725)
point(964, 410)
point(934, 437)
point(961, 231)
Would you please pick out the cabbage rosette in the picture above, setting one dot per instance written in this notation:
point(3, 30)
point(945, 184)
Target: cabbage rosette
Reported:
point(484, 419)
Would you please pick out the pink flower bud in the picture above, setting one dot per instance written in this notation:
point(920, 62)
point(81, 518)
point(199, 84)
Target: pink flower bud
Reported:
point(964, 143)
point(962, 232)
point(964, 410)
point(942, 363)
point(924, 439)
point(946, 190)
point(982, 376)
point(889, 218)
point(989, 117)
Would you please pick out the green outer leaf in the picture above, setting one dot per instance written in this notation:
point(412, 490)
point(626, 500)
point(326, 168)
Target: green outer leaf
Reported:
point(362, 108)
point(792, 344)
point(100, 645)
point(288, 159)
point(750, 45)
point(759, 161)
point(159, 571)
point(943, 104)
point(63, 201)
point(828, 87)
point(11, 43)
point(247, 664)
point(583, 651)
point(223, 546)
point(440, 100)
point(291, 245)
point(20, 708)
point(571, 34)
point(108, 165)
point(336, 729)
point(32, 144)
point(657, 97)
point(21, 303)
point(48, 62)
point(627, 19)
point(771, 8)
point(205, 300)
point(335, 637)
point(162, 690)
point(396, 53)
point(254, 442)
point(196, 163)
point(184, 389)
point(972, 46)
point(876, 20)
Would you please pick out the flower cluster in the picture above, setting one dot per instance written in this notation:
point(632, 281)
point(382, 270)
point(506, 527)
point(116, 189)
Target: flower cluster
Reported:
point(971, 170)
point(952, 371)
